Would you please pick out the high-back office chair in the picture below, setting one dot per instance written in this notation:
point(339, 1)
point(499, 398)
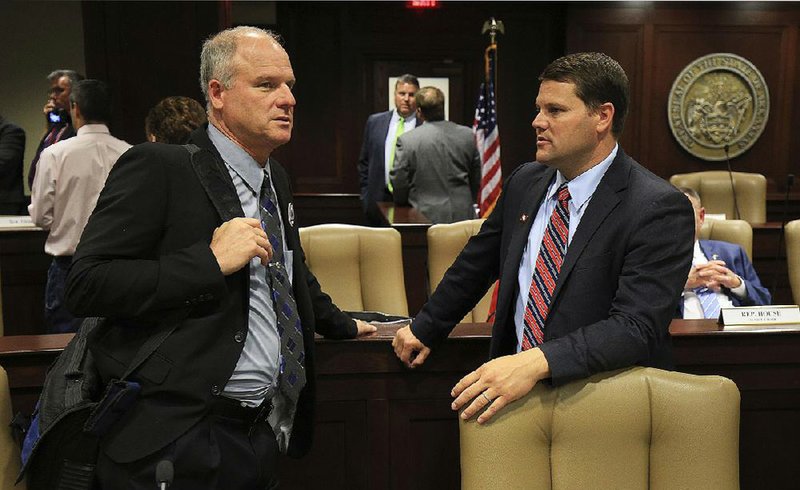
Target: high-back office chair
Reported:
point(634, 428)
point(445, 242)
point(793, 257)
point(360, 268)
point(9, 451)
point(714, 187)
point(729, 230)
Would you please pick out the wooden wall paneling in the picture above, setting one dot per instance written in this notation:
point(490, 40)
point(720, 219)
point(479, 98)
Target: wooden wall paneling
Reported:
point(678, 45)
point(342, 51)
point(676, 33)
point(145, 51)
point(626, 42)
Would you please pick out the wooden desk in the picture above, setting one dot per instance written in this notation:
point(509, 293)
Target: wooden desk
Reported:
point(23, 275)
point(413, 227)
point(382, 426)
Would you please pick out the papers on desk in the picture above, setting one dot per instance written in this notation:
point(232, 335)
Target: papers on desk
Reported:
point(16, 223)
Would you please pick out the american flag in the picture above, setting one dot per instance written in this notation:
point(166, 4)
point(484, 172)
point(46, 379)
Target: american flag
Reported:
point(487, 137)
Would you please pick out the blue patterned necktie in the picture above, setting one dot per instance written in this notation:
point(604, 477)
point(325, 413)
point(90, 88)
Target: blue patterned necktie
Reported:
point(709, 302)
point(292, 363)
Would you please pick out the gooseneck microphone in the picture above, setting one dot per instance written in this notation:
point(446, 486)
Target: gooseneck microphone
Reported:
point(164, 474)
point(733, 187)
point(789, 184)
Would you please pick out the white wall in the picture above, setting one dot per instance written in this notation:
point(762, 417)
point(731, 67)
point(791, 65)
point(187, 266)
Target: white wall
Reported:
point(35, 39)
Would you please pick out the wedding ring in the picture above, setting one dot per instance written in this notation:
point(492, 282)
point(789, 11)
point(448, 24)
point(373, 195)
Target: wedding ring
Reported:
point(488, 400)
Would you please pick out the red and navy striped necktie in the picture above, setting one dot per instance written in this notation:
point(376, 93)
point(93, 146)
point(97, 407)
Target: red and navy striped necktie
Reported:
point(545, 273)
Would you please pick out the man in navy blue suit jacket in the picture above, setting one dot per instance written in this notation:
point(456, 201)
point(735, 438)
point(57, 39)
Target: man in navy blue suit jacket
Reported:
point(722, 267)
point(628, 246)
point(377, 150)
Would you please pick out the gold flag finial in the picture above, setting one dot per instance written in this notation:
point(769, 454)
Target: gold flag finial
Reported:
point(493, 26)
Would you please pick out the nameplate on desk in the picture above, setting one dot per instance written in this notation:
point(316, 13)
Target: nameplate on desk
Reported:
point(761, 316)
point(11, 222)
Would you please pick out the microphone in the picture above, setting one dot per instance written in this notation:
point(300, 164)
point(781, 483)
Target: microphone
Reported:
point(789, 184)
point(164, 474)
point(733, 188)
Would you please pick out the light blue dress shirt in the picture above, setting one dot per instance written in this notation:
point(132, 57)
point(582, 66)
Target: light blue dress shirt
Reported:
point(581, 189)
point(255, 377)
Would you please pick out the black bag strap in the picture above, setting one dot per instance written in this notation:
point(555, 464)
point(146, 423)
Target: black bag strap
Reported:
point(147, 349)
point(217, 183)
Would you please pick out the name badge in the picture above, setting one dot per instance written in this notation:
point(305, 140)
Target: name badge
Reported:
point(761, 316)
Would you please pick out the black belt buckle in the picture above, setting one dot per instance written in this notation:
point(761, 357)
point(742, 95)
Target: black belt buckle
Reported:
point(263, 414)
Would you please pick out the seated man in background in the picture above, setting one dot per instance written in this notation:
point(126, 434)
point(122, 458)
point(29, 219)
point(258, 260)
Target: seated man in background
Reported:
point(721, 274)
point(173, 119)
point(437, 168)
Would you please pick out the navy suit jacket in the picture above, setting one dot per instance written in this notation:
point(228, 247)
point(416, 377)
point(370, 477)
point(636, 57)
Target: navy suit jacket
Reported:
point(619, 284)
point(372, 164)
point(736, 260)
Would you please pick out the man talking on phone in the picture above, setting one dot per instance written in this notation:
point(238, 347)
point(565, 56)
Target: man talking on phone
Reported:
point(56, 113)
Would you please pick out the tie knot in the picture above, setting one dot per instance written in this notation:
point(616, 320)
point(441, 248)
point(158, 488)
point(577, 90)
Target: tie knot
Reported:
point(563, 193)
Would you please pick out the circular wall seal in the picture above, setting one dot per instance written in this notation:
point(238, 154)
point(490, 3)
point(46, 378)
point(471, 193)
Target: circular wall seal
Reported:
point(717, 100)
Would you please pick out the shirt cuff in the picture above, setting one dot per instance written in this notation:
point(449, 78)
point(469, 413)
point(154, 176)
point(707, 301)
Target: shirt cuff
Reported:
point(741, 290)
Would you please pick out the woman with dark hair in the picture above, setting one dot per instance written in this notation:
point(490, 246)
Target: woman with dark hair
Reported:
point(173, 119)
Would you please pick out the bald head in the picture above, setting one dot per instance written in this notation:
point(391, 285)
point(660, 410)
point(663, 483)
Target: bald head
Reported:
point(430, 102)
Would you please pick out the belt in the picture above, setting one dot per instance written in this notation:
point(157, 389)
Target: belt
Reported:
point(230, 408)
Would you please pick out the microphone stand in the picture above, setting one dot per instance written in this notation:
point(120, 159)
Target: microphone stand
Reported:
point(733, 187)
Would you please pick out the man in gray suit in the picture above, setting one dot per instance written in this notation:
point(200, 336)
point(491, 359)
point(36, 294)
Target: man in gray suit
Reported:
point(437, 168)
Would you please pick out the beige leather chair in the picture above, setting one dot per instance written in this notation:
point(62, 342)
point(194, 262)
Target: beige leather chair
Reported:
point(361, 268)
point(729, 230)
point(9, 451)
point(714, 188)
point(640, 428)
point(793, 257)
point(445, 242)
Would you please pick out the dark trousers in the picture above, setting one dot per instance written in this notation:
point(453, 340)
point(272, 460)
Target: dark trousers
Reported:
point(57, 318)
point(226, 450)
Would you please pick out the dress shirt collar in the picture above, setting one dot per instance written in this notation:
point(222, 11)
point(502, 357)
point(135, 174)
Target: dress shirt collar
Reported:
point(396, 116)
point(583, 186)
point(238, 159)
point(93, 128)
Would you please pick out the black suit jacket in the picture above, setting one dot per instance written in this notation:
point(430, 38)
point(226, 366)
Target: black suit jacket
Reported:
point(12, 148)
point(619, 283)
point(144, 261)
point(69, 132)
point(372, 164)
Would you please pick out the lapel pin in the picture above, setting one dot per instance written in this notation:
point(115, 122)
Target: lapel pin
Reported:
point(523, 218)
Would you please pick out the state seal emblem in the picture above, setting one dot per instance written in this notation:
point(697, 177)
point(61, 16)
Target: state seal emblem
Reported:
point(718, 101)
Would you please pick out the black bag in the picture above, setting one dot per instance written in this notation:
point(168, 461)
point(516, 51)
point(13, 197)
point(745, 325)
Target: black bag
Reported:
point(73, 412)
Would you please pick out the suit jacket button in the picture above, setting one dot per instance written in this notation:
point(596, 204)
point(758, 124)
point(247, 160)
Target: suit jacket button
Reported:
point(215, 390)
point(239, 337)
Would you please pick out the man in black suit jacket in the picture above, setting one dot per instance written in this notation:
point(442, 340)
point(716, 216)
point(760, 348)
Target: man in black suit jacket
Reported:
point(12, 148)
point(629, 247)
point(160, 252)
point(57, 114)
point(377, 150)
